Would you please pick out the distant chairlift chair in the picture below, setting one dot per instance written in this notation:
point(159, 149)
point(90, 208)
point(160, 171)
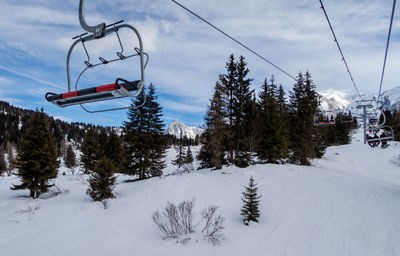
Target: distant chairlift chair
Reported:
point(326, 118)
point(121, 87)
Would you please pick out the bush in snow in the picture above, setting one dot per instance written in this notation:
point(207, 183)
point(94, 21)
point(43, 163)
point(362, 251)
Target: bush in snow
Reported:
point(30, 210)
point(251, 201)
point(213, 225)
point(177, 221)
point(102, 181)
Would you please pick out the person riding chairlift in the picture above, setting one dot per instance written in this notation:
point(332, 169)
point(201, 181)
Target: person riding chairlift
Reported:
point(373, 143)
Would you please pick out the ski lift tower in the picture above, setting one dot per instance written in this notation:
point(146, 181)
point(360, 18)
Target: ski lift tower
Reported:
point(364, 104)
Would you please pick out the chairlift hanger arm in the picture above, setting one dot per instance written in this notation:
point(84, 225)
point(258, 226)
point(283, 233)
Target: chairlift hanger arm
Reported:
point(97, 30)
point(107, 31)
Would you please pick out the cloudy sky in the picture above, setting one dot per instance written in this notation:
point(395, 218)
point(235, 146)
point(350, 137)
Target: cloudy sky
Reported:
point(186, 55)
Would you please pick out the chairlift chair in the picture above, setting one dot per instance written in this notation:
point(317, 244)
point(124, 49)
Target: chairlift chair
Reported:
point(120, 88)
point(346, 118)
point(381, 134)
point(325, 118)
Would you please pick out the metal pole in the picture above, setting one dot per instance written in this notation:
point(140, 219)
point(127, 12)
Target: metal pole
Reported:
point(365, 124)
point(364, 104)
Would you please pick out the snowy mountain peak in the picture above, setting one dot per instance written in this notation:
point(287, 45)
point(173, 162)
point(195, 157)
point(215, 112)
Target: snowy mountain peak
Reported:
point(176, 129)
point(332, 100)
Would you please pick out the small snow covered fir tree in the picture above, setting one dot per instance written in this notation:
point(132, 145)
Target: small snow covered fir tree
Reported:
point(102, 180)
point(70, 158)
point(251, 201)
point(189, 160)
point(189, 157)
point(180, 154)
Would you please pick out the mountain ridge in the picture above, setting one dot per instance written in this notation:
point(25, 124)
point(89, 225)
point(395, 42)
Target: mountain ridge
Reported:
point(177, 128)
point(332, 100)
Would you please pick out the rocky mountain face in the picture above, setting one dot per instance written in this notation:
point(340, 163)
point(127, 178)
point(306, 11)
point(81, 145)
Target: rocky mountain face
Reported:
point(333, 100)
point(176, 129)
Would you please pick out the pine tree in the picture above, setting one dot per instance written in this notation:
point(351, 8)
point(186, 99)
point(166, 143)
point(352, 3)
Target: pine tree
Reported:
point(188, 163)
point(212, 151)
point(89, 150)
point(37, 157)
point(189, 156)
point(252, 125)
point(242, 96)
point(342, 130)
point(250, 210)
point(70, 158)
point(317, 138)
point(3, 164)
point(102, 180)
point(180, 154)
point(305, 141)
point(273, 142)
point(228, 83)
point(144, 138)
point(115, 151)
point(102, 142)
point(204, 156)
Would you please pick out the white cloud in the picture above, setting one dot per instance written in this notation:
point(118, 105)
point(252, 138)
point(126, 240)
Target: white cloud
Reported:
point(18, 73)
point(186, 55)
point(180, 107)
point(4, 81)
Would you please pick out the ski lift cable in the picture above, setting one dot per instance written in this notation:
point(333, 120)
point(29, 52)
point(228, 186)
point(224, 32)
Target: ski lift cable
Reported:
point(235, 40)
point(387, 48)
point(340, 49)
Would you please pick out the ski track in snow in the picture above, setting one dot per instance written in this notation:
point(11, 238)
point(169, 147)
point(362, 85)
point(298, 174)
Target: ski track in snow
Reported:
point(347, 203)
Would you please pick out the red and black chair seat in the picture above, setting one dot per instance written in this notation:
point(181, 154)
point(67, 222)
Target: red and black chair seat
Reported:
point(99, 93)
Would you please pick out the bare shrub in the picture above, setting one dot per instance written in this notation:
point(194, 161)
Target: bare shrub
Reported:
point(30, 210)
point(213, 225)
point(175, 221)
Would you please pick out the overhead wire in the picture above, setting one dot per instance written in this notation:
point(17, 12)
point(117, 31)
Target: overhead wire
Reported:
point(235, 40)
point(386, 51)
point(340, 49)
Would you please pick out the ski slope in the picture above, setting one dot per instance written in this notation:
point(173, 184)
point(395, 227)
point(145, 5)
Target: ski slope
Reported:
point(347, 203)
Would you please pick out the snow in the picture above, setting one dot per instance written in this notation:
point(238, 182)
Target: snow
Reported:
point(347, 203)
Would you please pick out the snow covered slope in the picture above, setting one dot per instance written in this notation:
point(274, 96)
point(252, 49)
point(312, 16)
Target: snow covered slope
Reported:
point(176, 128)
point(348, 203)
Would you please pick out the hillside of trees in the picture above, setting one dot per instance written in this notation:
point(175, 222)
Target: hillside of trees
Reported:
point(14, 121)
point(242, 128)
